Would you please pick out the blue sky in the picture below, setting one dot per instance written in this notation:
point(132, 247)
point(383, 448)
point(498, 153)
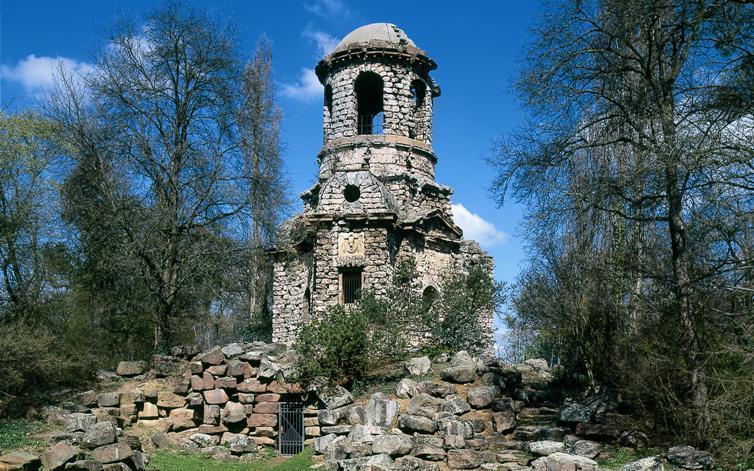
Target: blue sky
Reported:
point(476, 46)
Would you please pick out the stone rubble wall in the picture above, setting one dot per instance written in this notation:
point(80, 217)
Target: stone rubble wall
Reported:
point(228, 394)
point(482, 414)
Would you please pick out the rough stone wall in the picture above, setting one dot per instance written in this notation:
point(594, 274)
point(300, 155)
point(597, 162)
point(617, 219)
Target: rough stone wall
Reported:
point(400, 115)
point(291, 307)
point(374, 259)
point(373, 195)
point(377, 252)
point(418, 195)
point(433, 260)
point(381, 155)
point(223, 395)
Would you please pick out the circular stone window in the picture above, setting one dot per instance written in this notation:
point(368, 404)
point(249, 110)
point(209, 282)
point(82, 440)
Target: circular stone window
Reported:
point(351, 193)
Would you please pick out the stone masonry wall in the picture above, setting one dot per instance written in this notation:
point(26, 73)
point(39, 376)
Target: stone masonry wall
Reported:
point(341, 119)
point(291, 307)
point(375, 262)
point(382, 155)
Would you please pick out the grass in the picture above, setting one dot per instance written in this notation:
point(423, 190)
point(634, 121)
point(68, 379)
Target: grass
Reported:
point(14, 435)
point(617, 457)
point(182, 461)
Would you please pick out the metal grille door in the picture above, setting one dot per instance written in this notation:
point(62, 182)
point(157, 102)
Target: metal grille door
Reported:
point(291, 431)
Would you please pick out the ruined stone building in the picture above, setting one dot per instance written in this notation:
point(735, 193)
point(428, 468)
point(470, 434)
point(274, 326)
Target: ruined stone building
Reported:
point(376, 199)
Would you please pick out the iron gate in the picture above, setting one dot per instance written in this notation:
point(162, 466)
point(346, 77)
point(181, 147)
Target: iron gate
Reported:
point(291, 427)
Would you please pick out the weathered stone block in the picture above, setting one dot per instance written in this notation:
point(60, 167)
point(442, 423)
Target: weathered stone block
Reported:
point(266, 408)
point(112, 453)
point(233, 413)
point(425, 405)
point(169, 400)
point(78, 422)
point(262, 420)
point(131, 368)
point(109, 399)
point(245, 398)
point(19, 461)
point(216, 396)
point(227, 382)
point(212, 357)
point(504, 422)
point(217, 370)
point(418, 366)
point(60, 454)
point(251, 385)
point(181, 419)
point(459, 374)
point(482, 396)
point(416, 423)
point(393, 445)
point(99, 434)
point(268, 397)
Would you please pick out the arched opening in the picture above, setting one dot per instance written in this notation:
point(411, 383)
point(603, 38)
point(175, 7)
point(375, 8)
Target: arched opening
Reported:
point(308, 299)
point(328, 100)
point(418, 95)
point(418, 92)
point(369, 103)
point(429, 297)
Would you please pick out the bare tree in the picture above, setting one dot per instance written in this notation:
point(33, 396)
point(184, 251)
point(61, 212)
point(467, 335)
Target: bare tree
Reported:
point(624, 128)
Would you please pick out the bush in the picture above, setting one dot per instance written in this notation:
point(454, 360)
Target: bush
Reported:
point(347, 344)
point(334, 347)
point(465, 298)
point(33, 362)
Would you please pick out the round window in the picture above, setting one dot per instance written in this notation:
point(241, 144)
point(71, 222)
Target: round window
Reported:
point(351, 193)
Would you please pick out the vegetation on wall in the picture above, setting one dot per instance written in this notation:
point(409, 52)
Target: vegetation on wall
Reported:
point(351, 342)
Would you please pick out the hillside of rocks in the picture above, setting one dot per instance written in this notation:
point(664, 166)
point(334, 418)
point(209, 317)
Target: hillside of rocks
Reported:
point(449, 412)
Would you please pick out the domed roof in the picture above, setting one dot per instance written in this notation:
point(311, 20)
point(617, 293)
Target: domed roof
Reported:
point(385, 33)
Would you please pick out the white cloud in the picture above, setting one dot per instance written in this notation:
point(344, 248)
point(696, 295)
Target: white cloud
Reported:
point(325, 42)
point(307, 88)
point(38, 73)
point(328, 8)
point(476, 228)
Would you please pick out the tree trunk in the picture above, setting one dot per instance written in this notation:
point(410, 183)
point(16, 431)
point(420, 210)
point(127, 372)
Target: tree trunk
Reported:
point(163, 335)
point(691, 344)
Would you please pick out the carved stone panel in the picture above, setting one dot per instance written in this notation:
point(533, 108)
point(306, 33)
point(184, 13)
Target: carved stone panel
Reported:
point(351, 244)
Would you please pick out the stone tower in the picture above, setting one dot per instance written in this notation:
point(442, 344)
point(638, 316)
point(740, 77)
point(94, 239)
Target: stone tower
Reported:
point(376, 200)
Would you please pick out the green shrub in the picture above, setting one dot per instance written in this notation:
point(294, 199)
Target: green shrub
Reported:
point(33, 362)
point(464, 299)
point(349, 344)
point(334, 347)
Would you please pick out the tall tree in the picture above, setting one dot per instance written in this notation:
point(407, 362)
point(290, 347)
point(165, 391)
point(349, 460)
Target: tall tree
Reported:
point(624, 129)
point(156, 125)
point(259, 125)
point(28, 200)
